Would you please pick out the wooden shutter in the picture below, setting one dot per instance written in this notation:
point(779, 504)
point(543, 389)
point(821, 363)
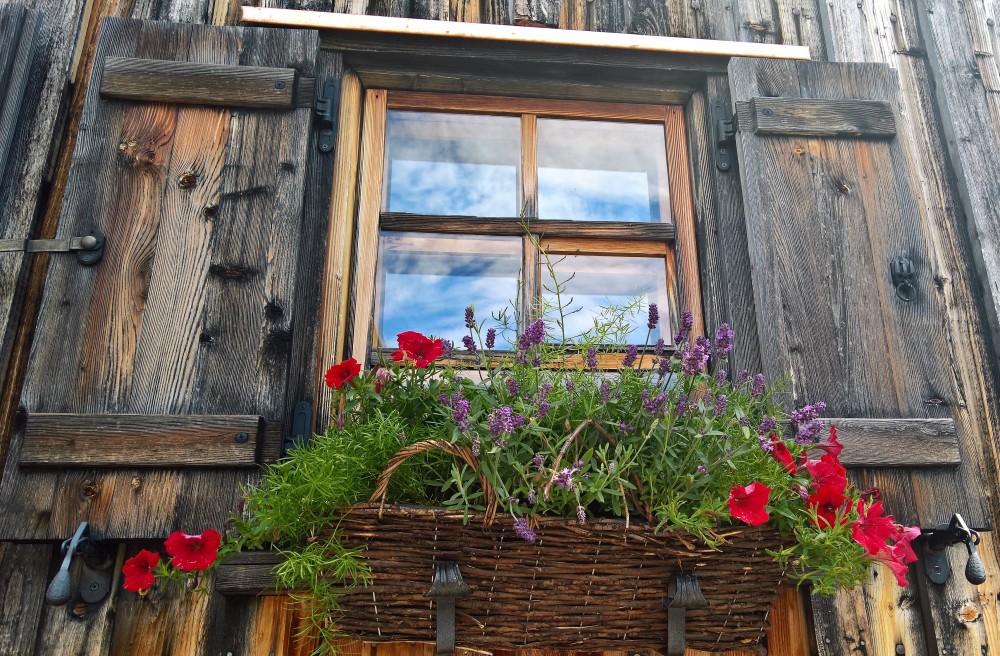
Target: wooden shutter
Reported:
point(829, 204)
point(158, 378)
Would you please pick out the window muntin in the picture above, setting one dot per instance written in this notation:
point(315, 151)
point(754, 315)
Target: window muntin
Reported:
point(602, 171)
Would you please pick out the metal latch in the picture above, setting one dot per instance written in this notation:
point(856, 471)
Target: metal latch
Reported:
point(935, 555)
point(723, 135)
point(96, 571)
point(89, 248)
point(327, 107)
point(302, 417)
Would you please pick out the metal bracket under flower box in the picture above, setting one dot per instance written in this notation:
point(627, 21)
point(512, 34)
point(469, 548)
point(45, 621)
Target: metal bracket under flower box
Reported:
point(446, 587)
point(683, 592)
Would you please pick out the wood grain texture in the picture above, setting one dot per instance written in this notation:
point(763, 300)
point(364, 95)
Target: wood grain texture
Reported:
point(872, 119)
point(190, 83)
point(172, 441)
point(24, 570)
point(537, 13)
point(510, 105)
point(187, 320)
point(829, 312)
point(513, 227)
point(336, 277)
point(898, 442)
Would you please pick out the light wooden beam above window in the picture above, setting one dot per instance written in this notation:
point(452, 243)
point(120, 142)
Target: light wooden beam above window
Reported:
point(322, 20)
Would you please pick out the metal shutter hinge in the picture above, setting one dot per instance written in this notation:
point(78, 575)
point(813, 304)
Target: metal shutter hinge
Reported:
point(723, 135)
point(302, 416)
point(327, 107)
point(89, 248)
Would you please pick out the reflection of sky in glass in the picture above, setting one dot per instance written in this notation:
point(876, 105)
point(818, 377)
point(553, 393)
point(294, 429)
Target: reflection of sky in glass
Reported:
point(426, 282)
point(602, 171)
point(452, 164)
point(607, 280)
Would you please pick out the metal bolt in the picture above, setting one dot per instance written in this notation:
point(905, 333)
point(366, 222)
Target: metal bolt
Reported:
point(94, 586)
point(796, 12)
point(89, 242)
point(990, 22)
point(279, 85)
point(900, 650)
point(241, 437)
point(893, 18)
point(767, 112)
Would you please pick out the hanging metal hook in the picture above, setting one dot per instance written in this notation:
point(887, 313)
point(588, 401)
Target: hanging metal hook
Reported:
point(903, 273)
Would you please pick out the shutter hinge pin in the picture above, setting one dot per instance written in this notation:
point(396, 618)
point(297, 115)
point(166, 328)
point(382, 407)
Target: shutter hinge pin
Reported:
point(89, 248)
point(723, 135)
point(327, 107)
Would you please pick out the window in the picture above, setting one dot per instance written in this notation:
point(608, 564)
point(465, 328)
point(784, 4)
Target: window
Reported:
point(448, 183)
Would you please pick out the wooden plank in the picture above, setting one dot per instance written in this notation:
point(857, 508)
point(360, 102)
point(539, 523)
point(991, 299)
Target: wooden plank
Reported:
point(191, 83)
point(196, 315)
point(537, 13)
point(511, 105)
point(897, 442)
point(24, 570)
point(174, 441)
point(513, 227)
point(782, 21)
point(871, 119)
point(19, 28)
point(514, 34)
point(248, 573)
point(789, 634)
point(572, 246)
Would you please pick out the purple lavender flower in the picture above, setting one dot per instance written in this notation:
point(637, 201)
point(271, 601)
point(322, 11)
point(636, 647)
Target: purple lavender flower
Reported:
point(741, 378)
point(538, 460)
point(695, 357)
point(758, 386)
point(767, 424)
point(682, 404)
point(444, 399)
point(523, 531)
point(532, 497)
point(503, 421)
point(654, 316)
point(570, 386)
point(491, 338)
point(446, 348)
point(744, 421)
point(521, 357)
point(581, 515)
point(533, 335)
point(765, 443)
point(591, 359)
point(536, 361)
point(702, 469)
point(655, 404)
point(723, 341)
point(720, 405)
point(513, 387)
point(720, 376)
point(687, 323)
point(565, 477)
point(804, 422)
point(631, 354)
point(605, 391)
point(626, 428)
point(663, 367)
point(543, 392)
point(469, 344)
point(659, 347)
point(461, 413)
point(470, 317)
point(543, 409)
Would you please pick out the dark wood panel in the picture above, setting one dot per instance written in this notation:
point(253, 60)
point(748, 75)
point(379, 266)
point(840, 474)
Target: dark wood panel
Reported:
point(898, 442)
point(24, 570)
point(175, 441)
point(512, 227)
point(248, 573)
point(871, 119)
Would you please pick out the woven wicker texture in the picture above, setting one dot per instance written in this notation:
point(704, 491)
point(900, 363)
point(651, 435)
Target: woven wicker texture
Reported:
point(592, 587)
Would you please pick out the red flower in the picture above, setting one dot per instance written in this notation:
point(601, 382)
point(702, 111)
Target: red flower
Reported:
point(832, 446)
point(828, 500)
point(416, 347)
point(193, 552)
point(903, 550)
point(872, 529)
point(781, 453)
point(828, 471)
point(746, 503)
point(138, 571)
point(340, 374)
point(898, 568)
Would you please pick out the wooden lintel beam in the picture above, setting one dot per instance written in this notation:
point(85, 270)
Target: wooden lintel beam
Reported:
point(897, 442)
point(155, 80)
point(167, 441)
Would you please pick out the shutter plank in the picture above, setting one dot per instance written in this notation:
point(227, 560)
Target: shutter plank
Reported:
point(74, 440)
point(190, 311)
point(898, 442)
point(156, 80)
point(824, 219)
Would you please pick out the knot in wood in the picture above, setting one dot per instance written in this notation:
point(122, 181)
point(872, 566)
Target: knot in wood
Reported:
point(79, 610)
point(187, 180)
point(89, 490)
point(211, 211)
point(136, 482)
point(798, 151)
point(969, 612)
point(843, 188)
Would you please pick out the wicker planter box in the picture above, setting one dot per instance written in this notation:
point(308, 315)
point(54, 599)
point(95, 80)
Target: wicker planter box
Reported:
point(593, 587)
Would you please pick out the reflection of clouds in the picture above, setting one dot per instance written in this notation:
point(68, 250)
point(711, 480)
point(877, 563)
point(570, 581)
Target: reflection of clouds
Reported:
point(451, 188)
point(585, 195)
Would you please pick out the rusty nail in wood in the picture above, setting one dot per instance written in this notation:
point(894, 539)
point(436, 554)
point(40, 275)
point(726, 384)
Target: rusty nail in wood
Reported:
point(187, 180)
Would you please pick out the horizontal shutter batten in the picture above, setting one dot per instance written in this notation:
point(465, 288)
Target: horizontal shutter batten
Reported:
point(810, 117)
point(898, 442)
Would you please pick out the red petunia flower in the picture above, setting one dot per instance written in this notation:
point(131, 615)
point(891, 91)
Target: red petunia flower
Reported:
point(193, 552)
point(746, 503)
point(903, 549)
point(827, 471)
point(899, 568)
point(828, 500)
point(138, 571)
point(414, 346)
point(340, 374)
point(872, 529)
point(832, 446)
point(781, 453)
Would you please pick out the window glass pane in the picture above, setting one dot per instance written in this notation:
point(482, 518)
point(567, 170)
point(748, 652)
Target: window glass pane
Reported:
point(425, 282)
point(452, 164)
point(602, 171)
point(600, 281)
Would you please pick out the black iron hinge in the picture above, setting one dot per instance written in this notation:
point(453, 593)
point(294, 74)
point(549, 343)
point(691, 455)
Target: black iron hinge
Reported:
point(327, 108)
point(89, 247)
point(301, 424)
point(723, 135)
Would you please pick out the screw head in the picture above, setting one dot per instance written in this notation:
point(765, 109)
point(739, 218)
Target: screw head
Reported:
point(279, 85)
point(95, 586)
point(89, 242)
point(241, 437)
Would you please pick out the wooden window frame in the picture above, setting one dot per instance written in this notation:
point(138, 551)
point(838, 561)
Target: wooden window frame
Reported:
point(675, 240)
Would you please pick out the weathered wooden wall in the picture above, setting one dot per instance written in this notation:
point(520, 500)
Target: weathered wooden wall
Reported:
point(945, 54)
